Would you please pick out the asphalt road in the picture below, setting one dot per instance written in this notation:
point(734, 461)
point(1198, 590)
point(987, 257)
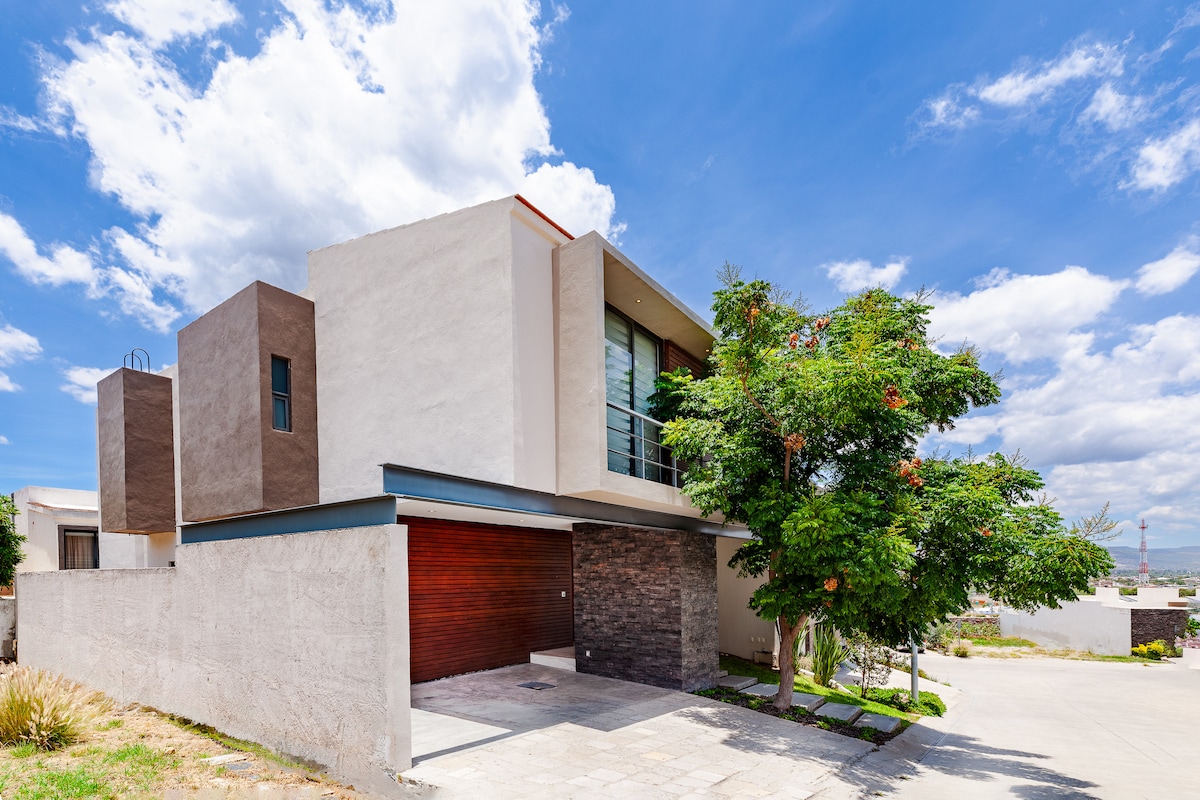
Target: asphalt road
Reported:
point(1034, 728)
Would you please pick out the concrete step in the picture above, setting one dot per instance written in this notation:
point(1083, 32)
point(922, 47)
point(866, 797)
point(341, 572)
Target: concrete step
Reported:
point(721, 673)
point(767, 690)
point(559, 658)
point(879, 722)
point(809, 702)
point(738, 682)
point(840, 711)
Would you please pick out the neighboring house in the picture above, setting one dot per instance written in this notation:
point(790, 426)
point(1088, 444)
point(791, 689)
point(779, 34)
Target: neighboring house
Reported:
point(61, 527)
point(490, 375)
point(1106, 623)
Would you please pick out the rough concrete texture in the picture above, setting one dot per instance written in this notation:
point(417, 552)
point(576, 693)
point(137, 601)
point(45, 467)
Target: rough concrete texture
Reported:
point(645, 605)
point(1150, 624)
point(762, 690)
point(8, 626)
point(136, 452)
point(735, 681)
point(299, 642)
point(590, 737)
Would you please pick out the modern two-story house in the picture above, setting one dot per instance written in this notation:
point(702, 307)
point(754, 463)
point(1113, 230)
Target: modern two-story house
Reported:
point(483, 378)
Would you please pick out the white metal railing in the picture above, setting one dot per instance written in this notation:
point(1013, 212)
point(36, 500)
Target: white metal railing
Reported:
point(634, 447)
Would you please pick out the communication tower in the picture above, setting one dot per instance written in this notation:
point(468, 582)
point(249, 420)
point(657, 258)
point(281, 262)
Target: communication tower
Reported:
point(1144, 565)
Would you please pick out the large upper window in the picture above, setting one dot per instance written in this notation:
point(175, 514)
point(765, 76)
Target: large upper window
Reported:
point(281, 394)
point(632, 360)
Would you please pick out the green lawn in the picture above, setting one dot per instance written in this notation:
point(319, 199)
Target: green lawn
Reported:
point(764, 674)
point(1001, 642)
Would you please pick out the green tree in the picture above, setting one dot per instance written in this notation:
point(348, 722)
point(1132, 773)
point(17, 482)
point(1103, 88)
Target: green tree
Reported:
point(11, 553)
point(806, 432)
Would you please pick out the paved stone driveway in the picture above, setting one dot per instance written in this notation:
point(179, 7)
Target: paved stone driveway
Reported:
point(483, 736)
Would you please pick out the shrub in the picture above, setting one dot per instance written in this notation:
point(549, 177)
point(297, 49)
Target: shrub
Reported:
point(938, 636)
point(47, 711)
point(962, 649)
point(1152, 650)
point(828, 654)
point(930, 704)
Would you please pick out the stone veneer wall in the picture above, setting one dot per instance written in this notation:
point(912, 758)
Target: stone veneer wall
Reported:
point(1149, 624)
point(646, 605)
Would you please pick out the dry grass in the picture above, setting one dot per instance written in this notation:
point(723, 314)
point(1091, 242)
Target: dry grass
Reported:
point(137, 752)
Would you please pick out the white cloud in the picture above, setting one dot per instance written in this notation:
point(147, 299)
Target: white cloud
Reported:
point(1117, 423)
point(345, 122)
point(15, 345)
point(4, 440)
point(1162, 163)
point(63, 265)
point(162, 21)
point(947, 111)
point(1026, 86)
point(1026, 317)
point(81, 382)
point(851, 276)
point(1169, 273)
point(1115, 110)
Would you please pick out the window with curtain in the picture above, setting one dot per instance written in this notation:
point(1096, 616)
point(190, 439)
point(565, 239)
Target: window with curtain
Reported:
point(80, 549)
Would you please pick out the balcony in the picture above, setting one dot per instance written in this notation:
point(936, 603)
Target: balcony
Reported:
point(635, 448)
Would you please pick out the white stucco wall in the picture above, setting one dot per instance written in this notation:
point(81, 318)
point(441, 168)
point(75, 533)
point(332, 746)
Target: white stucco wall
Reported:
point(1087, 624)
point(742, 631)
point(426, 359)
point(299, 642)
point(40, 522)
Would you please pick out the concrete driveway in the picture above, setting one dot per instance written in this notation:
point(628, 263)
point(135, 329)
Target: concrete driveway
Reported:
point(1036, 728)
point(483, 735)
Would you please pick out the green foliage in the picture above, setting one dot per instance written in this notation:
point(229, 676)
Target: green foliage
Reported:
point(1128, 591)
point(929, 704)
point(56, 784)
point(1193, 628)
point(1152, 650)
point(806, 432)
point(1187, 592)
point(828, 654)
point(11, 553)
point(873, 659)
point(44, 710)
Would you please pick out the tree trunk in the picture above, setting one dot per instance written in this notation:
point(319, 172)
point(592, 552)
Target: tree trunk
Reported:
point(787, 663)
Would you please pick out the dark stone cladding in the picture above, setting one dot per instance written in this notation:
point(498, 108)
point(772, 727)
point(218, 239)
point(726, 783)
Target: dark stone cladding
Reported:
point(646, 605)
point(1150, 624)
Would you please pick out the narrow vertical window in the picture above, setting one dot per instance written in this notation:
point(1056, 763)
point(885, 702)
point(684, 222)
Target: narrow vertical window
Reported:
point(281, 394)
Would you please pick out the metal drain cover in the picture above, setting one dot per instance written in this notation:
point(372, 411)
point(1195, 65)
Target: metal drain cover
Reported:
point(536, 685)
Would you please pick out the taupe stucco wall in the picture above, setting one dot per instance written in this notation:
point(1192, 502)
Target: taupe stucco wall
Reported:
point(136, 452)
point(232, 460)
point(299, 642)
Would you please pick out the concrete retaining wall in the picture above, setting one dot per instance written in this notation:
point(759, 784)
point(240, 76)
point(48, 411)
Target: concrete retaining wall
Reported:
point(1082, 625)
point(8, 626)
point(299, 642)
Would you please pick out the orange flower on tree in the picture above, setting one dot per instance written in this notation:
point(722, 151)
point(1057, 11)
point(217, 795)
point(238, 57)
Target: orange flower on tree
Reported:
point(831, 583)
point(892, 398)
point(822, 323)
point(793, 340)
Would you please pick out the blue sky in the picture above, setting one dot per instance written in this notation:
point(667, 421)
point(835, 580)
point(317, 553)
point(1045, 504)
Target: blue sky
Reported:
point(1036, 165)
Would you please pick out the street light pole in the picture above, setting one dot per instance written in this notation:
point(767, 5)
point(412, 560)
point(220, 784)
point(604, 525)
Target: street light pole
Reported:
point(916, 686)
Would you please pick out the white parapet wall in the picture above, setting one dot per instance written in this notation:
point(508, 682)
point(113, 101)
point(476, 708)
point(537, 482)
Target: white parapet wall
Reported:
point(299, 642)
point(1087, 624)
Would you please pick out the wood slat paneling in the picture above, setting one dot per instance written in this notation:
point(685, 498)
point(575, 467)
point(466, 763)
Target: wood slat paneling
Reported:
point(484, 596)
point(675, 357)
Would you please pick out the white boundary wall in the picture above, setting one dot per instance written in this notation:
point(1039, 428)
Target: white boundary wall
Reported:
point(1083, 625)
point(299, 642)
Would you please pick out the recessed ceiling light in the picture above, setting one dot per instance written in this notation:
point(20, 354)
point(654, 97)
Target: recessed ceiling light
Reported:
point(637, 301)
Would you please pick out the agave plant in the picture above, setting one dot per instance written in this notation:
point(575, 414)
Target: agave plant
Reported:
point(828, 653)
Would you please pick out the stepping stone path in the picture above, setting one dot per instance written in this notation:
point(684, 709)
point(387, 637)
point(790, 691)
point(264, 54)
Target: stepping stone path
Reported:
point(814, 703)
point(808, 702)
point(879, 722)
point(843, 711)
point(737, 682)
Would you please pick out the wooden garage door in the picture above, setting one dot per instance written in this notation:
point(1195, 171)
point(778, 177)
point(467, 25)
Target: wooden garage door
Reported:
point(485, 596)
